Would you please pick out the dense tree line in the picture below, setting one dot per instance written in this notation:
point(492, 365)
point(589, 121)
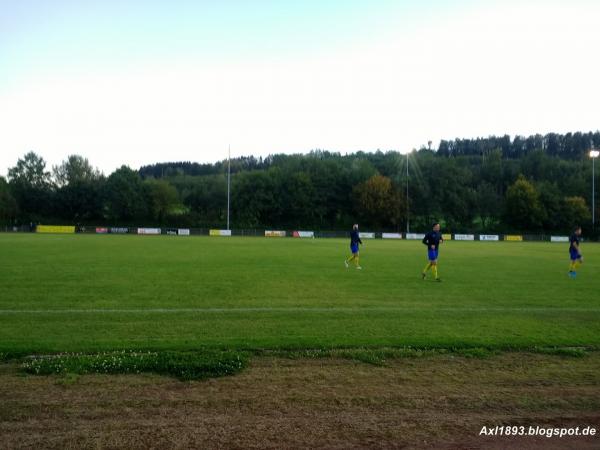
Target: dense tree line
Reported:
point(526, 184)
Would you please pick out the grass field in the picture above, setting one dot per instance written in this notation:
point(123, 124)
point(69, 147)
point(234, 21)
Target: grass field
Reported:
point(329, 364)
point(89, 293)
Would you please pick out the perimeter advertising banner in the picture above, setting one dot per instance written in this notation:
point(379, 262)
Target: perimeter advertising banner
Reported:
point(219, 232)
point(178, 231)
point(559, 238)
point(101, 230)
point(448, 237)
point(464, 237)
point(119, 230)
point(148, 231)
point(55, 229)
point(274, 233)
point(366, 235)
point(513, 237)
point(391, 235)
point(415, 236)
point(489, 237)
point(303, 234)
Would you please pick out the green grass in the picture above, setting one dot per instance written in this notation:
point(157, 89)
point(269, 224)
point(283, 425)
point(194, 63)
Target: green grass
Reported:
point(88, 293)
point(380, 355)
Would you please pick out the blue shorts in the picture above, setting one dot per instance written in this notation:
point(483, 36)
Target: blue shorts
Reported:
point(432, 254)
point(354, 248)
point(574, 255)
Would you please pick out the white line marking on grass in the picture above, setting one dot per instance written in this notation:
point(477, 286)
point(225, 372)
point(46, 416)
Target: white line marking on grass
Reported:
point(333, 309)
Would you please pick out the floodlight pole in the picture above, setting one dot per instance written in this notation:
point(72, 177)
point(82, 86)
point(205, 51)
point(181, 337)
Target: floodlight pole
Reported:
point(594, 155)
point(228, 183)
point(407, 210)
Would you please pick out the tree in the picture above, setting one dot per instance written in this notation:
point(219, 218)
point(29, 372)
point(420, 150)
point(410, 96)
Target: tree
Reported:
point(206, 199)
point(75, 169)
point(523, 209)
point(576, 212)
point(8, 205)
point(30, 171)
point(452, 186)
point(125, 200)
point(80, 201)
point(254, 199)
point(463, 183)
point(30, 185)
point(299, 195)
point(552, 201)
point(331, 186)
point(489, 204)
point(163, 199)
point(79, 193)
point(379, 204)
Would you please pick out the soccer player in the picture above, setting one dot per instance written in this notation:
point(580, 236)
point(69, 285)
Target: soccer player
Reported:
point(576, 258)
point(354, 241)
point(432, 241)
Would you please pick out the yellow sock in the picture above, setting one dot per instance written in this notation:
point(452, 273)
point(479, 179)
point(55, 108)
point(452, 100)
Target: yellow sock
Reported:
point(576, 265)
point(356, 260)
point(572, 266)
point(350, 259)
point(426, 267)
point(434, 268)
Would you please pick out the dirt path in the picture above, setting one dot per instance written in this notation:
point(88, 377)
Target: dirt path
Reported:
point(440, 402)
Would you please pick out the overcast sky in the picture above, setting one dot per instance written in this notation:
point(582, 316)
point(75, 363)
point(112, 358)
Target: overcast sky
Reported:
point(142, 81)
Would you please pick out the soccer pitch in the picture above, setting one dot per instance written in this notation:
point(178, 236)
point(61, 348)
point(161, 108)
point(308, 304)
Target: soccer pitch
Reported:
point(90, 293)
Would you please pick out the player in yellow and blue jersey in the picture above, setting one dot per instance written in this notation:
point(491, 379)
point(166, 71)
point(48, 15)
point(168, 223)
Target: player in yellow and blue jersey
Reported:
point(575, 254)
point(432, 240)
point(354, 242)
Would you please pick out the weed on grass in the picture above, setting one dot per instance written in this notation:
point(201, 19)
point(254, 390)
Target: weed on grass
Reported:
point(573, 352)
point(182, 365)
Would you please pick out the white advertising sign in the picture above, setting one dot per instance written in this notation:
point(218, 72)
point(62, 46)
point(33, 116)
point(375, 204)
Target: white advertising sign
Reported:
point(274, 233)
point(391, 235)
point(464, 237)
point(148, 231)
point(489, 237)
point(415, 236)
point(366, 235)
point(219, 232)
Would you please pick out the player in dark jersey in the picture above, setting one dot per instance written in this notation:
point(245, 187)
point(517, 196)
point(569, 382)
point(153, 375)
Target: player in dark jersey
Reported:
point(432, 240)
point(574, 253)
point(354, 242)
